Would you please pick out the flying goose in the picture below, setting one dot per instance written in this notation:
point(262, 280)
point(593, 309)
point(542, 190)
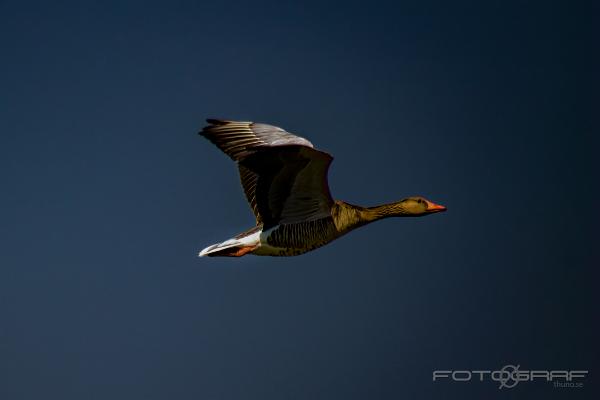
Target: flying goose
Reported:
point(285, 181)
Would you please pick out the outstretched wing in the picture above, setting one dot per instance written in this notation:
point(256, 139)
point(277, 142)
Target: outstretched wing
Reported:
point(240, 139)
point(283, 176)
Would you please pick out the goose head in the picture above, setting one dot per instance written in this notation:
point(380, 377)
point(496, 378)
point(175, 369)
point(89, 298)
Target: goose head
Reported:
point(418, 206)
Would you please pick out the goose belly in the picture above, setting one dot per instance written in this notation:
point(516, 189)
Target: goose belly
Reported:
point(296, 239)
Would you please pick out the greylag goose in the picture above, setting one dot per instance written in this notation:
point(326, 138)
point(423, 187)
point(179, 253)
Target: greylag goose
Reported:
point(285, 181)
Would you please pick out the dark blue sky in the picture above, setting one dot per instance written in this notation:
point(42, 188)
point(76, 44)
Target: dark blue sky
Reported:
point(108, 193)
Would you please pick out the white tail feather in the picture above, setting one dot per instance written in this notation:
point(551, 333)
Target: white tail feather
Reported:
point(251, 240)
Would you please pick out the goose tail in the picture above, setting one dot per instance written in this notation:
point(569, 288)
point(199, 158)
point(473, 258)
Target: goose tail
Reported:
point(236, 247)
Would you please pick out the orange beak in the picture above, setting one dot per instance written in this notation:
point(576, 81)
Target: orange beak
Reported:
point(433, 208)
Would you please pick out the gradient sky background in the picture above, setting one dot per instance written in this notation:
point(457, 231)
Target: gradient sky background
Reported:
point(108, 193)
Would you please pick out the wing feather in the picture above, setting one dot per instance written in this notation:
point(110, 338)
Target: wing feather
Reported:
point(283, 176)
point(240, 139)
